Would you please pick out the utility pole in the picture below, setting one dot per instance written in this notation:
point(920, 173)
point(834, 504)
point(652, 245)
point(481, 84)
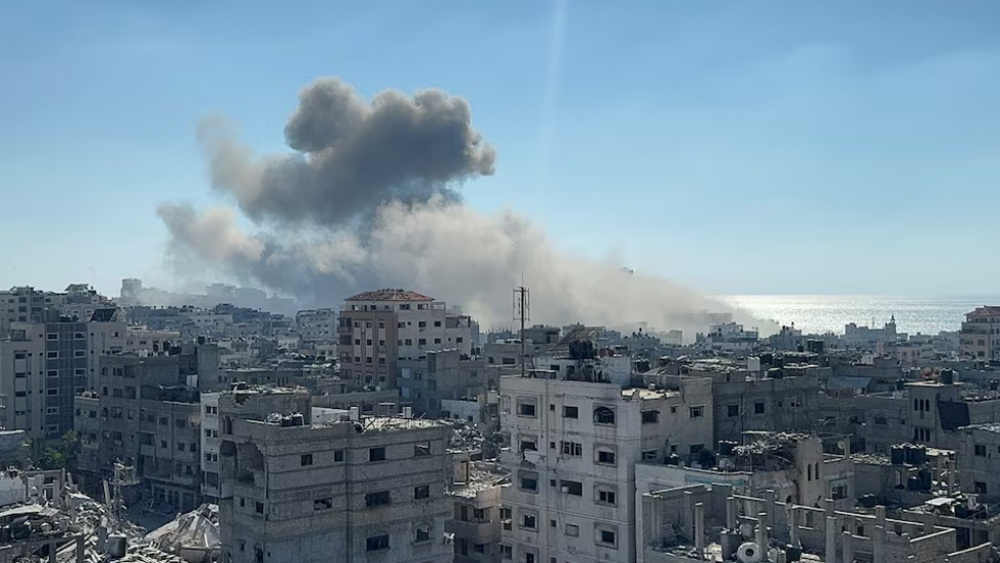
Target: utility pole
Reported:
point(522, 308)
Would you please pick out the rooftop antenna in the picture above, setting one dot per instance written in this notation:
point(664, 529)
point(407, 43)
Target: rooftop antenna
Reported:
point(522, 307)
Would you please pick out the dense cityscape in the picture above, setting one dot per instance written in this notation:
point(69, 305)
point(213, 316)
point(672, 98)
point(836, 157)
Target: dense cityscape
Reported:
point(393, 428)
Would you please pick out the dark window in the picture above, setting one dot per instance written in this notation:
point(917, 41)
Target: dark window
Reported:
point(606, 497)
point(649, 417)
point(604, 415)
point(608, 537)
point(378, 543)
point(323, 504)
point(529, 483)
point(733, 410)
point(338, 455)
point(758, 408)
point(422, 449)
point(526, 409)
point(307, 459)
point(571, 412)
point(377, 499)
point(423, 491)
point(376, 454)
point(574, 488)
point(606, 457)
point(980, 450)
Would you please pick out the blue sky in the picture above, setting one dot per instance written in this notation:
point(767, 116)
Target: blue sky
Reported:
point(737, 147)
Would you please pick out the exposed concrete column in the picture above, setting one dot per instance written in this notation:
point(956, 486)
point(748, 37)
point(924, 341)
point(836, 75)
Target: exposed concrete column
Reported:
point(878, 543)
point(939, 469)
point(880, 516)
point(928, 519)
point(951, 477)
point(762, 531)
point(793, 525)
point(699, 530)
point(80, 549)
point(828, 507)
point(688, 512)
point(848, 547)
point(731, 513)
point(770, 499)
point(831, 540)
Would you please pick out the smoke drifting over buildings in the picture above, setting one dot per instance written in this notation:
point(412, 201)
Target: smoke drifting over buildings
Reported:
point(368, 199)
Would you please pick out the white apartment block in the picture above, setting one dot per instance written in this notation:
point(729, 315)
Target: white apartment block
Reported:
point(211, 487)
point(423, 323)
point(574, 443)
point(317, 325)
point(980, 335)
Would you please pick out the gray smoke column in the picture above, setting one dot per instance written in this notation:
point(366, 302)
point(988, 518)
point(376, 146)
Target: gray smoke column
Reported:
point(368, 199)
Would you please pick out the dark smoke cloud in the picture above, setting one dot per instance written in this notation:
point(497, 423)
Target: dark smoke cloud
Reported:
point(353, 156)
point(368, 200)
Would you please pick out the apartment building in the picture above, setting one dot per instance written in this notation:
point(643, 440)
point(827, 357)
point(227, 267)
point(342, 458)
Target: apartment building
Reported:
point(42, 367)
point(979, 337)
point(211, 486)
point(575, 438)
point(316, 326)
point(476, 488)
point(371, 489)
point(377, 328)
point(440, 375)
point(145, 412)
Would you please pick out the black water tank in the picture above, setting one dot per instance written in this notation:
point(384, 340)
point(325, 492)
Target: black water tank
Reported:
point(897, 455)
point(947, 376)
point(726, 447)
point(672, 459)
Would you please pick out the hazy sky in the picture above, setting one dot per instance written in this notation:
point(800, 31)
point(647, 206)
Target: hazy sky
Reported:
point(736, 147)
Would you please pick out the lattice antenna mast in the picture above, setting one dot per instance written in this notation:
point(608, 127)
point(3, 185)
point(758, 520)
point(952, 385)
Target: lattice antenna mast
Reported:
point(522, 311)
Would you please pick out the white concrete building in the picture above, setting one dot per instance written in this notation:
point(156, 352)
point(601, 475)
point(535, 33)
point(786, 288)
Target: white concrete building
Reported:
point(317, 325)
point(574, 446)
point(211, 486)
point(980, 334)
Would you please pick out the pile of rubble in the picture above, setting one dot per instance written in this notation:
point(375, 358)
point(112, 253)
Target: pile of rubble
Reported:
point(78, 529)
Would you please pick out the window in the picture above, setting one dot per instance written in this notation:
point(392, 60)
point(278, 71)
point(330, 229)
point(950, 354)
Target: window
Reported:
point(51, 355)
point(505, 517)
point(574, 449)
point(338, 455)
point(881, 421)
point(839, 491)
point(422, 449)
point(376, 454)
point(526, 408)
point(422, 324)
point(306, 459)
point(650, 417)
point(604, 415)
point(528, 482)
point(697, 412)
point(571, 412)
point(421, 492)
point(733, 410)
point(323, 504)
point(422, 534)
point(528, 444)
point(421, 342)
point(377, 543)
point(606, 496)
point(506, 552)
point(377, 499)
point(649, 455)
point(606, 457)
point(572, 530)
point(758, 407)
point(259, 507)
point(980, 487)
point(574, 488)
point(528, 521)
point(607, 536)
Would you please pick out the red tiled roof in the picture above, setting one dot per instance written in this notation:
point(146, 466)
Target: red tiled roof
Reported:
point(390, 295)
point(987, 310)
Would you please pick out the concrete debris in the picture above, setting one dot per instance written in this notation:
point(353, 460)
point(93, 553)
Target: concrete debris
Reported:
point(76, 528)
point(193, 536)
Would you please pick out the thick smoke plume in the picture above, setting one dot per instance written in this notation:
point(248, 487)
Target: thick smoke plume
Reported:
point(368, 199)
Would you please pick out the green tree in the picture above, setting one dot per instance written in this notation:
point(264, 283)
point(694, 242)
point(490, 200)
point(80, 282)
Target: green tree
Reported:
point(60, 455)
